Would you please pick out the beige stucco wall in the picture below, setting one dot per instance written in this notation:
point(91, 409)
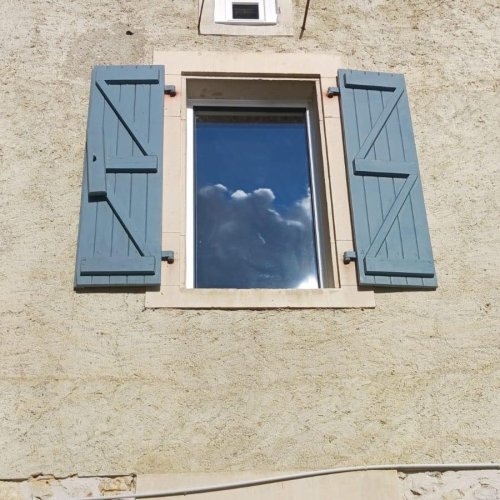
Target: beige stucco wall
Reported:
point(94, 383)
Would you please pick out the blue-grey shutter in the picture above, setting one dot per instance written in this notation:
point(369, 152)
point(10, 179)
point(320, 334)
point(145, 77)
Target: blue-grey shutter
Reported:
point(391, 234)
point(119, 241)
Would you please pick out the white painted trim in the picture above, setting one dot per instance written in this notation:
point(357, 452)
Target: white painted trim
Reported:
point(268, 12)
point(189, 197)
point(246, 103)
point(315, 202)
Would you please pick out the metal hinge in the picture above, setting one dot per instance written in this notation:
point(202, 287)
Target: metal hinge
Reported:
point(350, 256)
point(170, 90)
point(168, 255)
point(332, 91)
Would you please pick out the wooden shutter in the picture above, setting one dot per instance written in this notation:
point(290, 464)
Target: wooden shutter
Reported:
point(391, 234)
point(119, 241)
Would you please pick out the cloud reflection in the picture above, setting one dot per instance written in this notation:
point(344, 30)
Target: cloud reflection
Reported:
point(247, 240)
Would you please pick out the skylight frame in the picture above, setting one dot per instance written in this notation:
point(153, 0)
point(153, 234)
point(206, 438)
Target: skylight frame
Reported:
point(268, 12)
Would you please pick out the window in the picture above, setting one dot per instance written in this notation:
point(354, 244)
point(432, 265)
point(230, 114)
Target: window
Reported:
point(255, 203)
point(245, 12)
point(246, 17)
point(352, 169)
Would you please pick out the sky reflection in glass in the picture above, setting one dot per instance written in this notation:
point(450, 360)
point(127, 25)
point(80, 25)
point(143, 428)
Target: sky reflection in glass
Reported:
point(253, 211)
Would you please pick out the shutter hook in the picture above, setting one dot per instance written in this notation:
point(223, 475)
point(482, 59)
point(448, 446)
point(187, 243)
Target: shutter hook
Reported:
point(170, 90)
point(331, 91)
point(350, 257)
point(168, 255)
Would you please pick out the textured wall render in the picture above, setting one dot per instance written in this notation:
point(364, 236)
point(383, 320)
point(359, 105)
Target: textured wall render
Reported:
point(93, 383)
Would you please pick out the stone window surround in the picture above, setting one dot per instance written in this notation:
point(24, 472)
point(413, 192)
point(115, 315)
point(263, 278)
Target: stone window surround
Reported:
point(203, 71)
point(284, 26)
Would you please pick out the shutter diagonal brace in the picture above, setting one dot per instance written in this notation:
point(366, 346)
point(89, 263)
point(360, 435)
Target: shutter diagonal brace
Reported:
point(125, 120)
point(128, 224)
point(390, 217)
point(379, 124)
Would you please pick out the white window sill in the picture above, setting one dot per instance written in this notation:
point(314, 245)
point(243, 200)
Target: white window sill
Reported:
point(202, 298)
point(246, 22)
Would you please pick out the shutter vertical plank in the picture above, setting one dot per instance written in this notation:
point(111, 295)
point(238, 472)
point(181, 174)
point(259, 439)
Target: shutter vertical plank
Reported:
point(125, 95)
point(374, 192)
point(387, 207)
point(95, 158)
point(423, 241)
point(120, 231)
point(155, 185)
point(86, 231)
point(390, 150)
point(103, 238)
point(138, 188)
point(118, 144)
point(370, 184)
point(407, 215)
point(104, 216)
point(395, 154)
point(352, 145)
point(408, 237)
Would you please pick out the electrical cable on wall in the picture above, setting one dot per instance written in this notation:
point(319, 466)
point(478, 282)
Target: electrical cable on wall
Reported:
point(199, 17)
point(409, 468)
point(303, 28)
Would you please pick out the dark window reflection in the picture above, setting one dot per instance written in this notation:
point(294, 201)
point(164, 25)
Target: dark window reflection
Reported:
point(245, 11)
point(253, 211)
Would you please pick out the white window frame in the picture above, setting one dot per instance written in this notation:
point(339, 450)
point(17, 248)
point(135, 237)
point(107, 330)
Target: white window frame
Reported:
point(268, 13)
point(317, 202)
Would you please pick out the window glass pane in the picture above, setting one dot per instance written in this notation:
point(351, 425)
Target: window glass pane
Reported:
point(245, 11)
point(253, 212)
